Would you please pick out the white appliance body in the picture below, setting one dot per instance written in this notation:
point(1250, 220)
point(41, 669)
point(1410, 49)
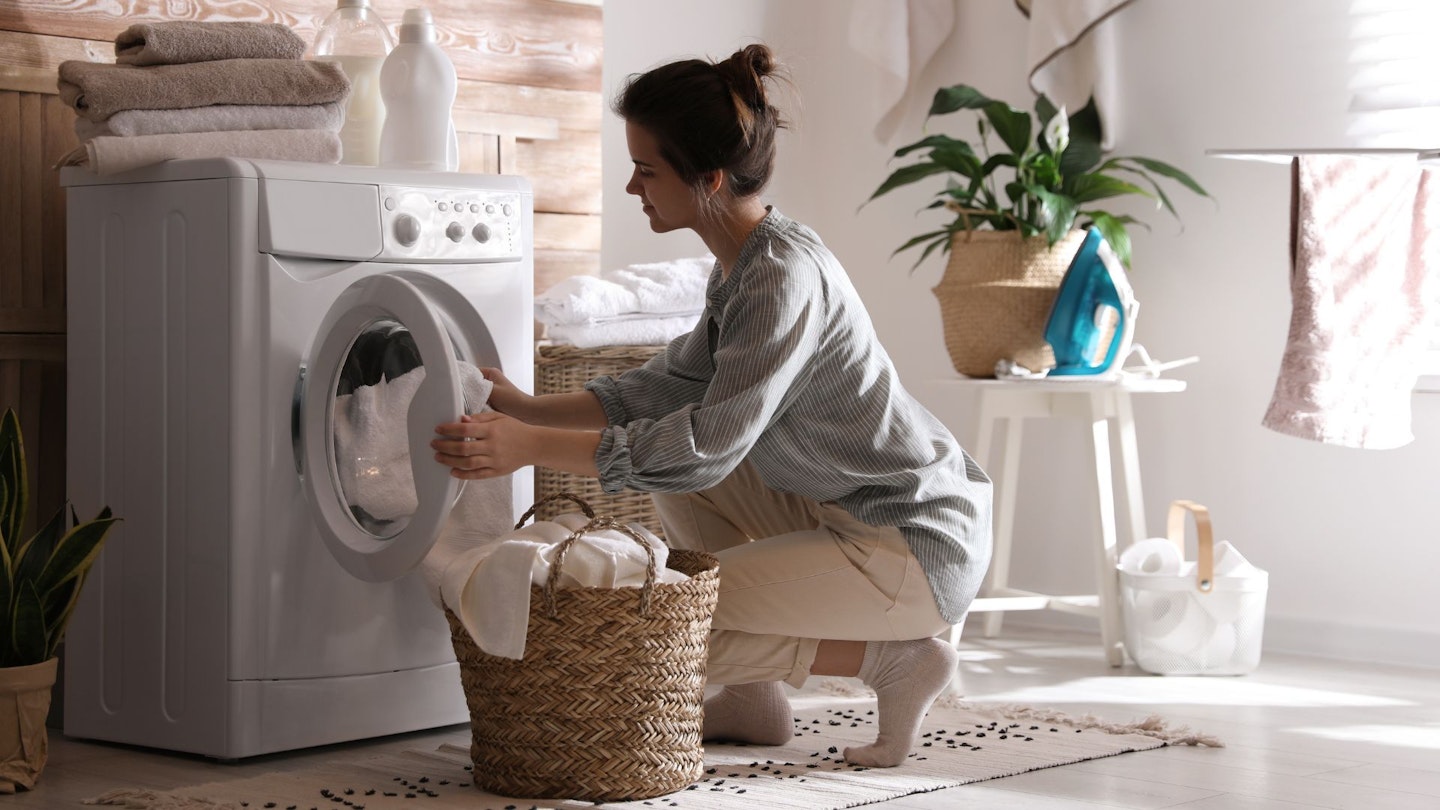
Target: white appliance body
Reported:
point(231, 613)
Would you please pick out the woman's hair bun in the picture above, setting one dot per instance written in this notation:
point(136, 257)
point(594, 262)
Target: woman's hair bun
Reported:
point(745, 71)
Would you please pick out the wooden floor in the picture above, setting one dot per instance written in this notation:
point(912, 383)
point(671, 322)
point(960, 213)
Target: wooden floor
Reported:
point(1300, 733)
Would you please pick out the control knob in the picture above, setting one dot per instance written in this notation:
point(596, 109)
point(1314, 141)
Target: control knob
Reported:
point(481, 232)
point(455, 231)
point(407, 229)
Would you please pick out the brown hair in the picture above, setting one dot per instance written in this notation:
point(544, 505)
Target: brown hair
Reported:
point(707, 116)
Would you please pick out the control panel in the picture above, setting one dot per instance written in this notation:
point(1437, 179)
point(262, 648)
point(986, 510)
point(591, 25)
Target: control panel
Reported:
point(450, 225)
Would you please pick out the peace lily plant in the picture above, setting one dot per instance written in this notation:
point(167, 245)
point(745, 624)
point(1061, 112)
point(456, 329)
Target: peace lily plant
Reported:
point(1053, 182)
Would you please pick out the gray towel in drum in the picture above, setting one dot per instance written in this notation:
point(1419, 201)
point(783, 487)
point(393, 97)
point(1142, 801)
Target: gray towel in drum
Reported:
point(97, 91)
point(182, 41)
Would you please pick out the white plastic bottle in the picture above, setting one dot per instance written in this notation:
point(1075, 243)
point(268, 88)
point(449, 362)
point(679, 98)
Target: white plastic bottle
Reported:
point(417, 82)
point(355, 36)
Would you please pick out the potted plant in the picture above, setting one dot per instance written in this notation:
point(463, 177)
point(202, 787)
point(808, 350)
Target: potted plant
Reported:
point(40, 581)
point(1019, 213)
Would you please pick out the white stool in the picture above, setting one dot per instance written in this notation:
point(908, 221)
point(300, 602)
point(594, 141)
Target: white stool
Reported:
point(1099, 402)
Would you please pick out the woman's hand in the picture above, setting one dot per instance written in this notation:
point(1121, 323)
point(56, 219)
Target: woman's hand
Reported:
point(506, 397)
point(487, 444)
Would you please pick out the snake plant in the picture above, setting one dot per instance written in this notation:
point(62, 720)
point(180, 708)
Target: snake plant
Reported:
point(40, 576)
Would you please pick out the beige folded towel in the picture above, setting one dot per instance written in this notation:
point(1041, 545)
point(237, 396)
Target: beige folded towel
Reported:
point(174, 43)
point(97, 91)
point(219, 118)
point(108, 155)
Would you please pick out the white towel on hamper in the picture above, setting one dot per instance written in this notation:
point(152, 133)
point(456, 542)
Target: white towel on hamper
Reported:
point(658, 288)
point(488, 586)
point(631, 331)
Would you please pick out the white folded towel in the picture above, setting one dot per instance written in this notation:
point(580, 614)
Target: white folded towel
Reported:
point(215, 118)
point(631, 331)
point(660, 288)
point(488, 586)
point(372, 447)
point(111, 154)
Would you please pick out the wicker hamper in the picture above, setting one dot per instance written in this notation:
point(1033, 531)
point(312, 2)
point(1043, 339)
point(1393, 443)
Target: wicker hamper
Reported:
point(561, 369)
point(606, 704)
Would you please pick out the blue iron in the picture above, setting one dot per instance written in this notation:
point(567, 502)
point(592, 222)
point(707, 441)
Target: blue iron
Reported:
point(1095, 304)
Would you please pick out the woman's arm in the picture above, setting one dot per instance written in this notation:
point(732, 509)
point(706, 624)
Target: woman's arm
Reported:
point(575, 410)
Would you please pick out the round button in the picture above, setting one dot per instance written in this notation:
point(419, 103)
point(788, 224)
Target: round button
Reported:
point(489, 209)
point(455, 231)
point(444, 207)
point(509, 210)
point(481, 232)
point(389, 203)
point(474, 209)
point(407, 229)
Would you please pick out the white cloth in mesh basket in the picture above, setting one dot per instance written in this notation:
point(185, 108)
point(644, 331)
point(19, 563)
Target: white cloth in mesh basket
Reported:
point(1204, 617)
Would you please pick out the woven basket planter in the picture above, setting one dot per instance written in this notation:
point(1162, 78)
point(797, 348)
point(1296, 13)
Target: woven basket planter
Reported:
point(559, 370)
point(996, 295)
point(606, 704)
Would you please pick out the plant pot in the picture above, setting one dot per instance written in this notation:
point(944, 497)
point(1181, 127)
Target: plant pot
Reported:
point(996, 295)
point(24, 744)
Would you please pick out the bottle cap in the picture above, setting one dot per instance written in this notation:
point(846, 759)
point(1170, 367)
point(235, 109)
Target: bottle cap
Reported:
point(417, 26)
point(353, 4)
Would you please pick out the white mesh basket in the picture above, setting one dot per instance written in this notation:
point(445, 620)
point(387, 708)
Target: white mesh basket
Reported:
point(1194, 625)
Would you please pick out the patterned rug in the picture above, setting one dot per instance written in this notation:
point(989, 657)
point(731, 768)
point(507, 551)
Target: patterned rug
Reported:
point(961, 743)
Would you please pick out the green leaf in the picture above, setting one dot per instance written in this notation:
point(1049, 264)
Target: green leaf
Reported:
point(961, 159)
point(36, 552)
point(29, 636)
point(59, 604)
point(932, 142)
point(1012, 125)
point(1165, 169)
point(1091, 187)
point(76, 551)
point(1084, 152)
point(1057, 212)
point(944, 244)
point(12, 470)
point(1113, 229)
point(1159, 192)
point(906, 175)
point(957, 97)
point(921, 238)
point(1045, 110)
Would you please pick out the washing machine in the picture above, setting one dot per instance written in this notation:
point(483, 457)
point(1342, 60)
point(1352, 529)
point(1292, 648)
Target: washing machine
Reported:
point(219, 311)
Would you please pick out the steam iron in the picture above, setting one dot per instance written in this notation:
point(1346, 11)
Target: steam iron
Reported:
point(1093, 318)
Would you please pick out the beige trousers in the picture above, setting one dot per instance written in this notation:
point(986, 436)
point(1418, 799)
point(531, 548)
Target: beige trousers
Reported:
point(794, 572)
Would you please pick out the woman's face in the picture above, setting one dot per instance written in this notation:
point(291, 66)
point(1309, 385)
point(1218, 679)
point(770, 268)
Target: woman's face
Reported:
point(666, 199)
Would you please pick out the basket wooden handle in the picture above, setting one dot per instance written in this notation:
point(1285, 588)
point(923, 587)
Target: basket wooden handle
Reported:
point(529, 513)
point(602, 522)
point(1204, 537)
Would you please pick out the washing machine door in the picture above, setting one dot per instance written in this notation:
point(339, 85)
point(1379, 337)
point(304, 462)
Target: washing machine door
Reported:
point(381, 376)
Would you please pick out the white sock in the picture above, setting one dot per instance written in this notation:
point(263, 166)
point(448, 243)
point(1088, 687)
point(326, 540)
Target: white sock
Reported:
point(907, 676)
point(754, 713)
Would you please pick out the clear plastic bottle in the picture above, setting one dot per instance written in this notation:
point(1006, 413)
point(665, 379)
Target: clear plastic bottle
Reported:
point(417, 82)
point(355, 36)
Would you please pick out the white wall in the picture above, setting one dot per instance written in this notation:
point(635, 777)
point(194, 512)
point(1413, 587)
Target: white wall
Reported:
point(1347, 535)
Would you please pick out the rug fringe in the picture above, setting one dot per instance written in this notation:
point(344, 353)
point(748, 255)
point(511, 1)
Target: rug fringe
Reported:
point(1152, 726)
point(140, 799)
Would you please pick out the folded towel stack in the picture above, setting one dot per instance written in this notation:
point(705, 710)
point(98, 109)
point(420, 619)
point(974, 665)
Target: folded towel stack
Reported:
point(637, 305)
point(204, 89)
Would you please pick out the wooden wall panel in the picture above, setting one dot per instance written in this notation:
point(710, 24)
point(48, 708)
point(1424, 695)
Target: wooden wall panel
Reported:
point(543, 43)
point(35, 130)
point(32, 381)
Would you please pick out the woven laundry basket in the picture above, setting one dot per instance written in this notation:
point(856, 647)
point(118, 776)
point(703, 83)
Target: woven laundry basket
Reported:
point(606, 704)
point(562, 369)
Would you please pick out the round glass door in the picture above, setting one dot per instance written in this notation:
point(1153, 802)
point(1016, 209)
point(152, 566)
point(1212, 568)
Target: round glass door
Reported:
point(382, 376)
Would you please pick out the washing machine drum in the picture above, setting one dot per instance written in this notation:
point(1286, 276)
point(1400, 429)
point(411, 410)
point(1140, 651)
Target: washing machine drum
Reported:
point(386, 368)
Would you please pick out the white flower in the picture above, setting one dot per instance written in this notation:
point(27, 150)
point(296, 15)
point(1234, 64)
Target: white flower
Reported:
point(1057, 132)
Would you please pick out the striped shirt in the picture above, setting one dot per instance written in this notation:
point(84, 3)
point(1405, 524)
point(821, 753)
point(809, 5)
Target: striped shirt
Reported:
point(785, 369)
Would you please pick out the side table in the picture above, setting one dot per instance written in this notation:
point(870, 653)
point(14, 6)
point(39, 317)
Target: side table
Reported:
point(1098, 402)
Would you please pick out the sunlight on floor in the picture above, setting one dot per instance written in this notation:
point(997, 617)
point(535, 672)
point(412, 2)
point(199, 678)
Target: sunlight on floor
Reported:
point(1188, 691)
point(1403, 736)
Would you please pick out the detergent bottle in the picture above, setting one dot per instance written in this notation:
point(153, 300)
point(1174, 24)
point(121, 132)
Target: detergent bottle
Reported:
point(417, 83)
point(354, 36)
